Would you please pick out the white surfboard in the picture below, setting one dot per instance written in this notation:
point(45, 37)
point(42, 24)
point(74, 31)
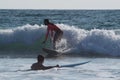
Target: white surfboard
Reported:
point(68, 65)
point(51, 52)
point(73, 65)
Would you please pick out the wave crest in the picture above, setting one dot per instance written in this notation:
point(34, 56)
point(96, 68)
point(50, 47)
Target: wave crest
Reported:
point(75, 40)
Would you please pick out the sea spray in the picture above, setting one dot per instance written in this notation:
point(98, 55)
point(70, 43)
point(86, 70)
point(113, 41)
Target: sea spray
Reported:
point(74, 40)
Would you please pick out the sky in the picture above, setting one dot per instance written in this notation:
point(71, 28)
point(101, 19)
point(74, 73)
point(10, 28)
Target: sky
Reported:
point(59, 4)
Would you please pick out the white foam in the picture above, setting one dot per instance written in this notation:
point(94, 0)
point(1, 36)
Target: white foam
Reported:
point(74, 39)
point(95, 40)
point(25, 34)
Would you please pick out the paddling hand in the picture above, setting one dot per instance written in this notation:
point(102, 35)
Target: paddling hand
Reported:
point(57, 65)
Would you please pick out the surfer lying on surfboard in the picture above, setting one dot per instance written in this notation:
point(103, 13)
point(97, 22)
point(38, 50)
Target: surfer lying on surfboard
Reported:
point(53, 29)
point(39, 65)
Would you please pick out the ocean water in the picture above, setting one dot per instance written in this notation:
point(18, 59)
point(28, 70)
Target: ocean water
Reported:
point(88, 34)
point(97, 69)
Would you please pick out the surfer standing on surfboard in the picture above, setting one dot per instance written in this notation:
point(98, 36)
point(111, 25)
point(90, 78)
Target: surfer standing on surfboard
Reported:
point(56, 33)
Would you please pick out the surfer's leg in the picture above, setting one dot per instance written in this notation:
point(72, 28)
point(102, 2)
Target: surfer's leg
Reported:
point(60, 35)
point(54, 41)
point(57, 38)
point(54, 46)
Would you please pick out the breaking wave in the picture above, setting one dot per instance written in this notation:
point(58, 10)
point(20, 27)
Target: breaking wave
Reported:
point(75, 40)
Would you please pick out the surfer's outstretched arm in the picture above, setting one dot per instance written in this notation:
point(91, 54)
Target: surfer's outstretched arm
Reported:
point(49, 67)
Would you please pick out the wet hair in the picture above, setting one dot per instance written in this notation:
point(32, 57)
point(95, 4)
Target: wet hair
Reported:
point(46, 21)
point(40, 58)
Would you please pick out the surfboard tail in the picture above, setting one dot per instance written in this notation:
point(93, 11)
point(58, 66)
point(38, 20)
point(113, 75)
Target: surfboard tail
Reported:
point(51, 53)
